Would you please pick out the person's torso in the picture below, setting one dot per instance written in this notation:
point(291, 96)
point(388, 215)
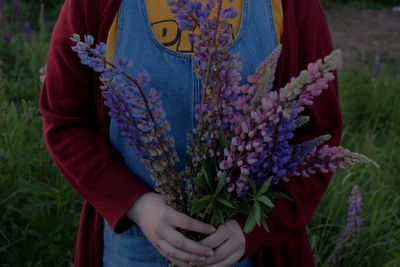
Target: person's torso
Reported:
point(150, 38)
point(172, 71)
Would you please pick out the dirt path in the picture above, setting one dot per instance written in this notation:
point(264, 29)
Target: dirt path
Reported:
point(363, 34)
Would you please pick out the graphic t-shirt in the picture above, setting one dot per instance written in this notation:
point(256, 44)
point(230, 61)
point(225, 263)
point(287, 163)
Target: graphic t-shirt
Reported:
point(166, 29)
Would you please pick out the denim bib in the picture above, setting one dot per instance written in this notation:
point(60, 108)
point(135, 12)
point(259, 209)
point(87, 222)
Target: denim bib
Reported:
point(172, 74)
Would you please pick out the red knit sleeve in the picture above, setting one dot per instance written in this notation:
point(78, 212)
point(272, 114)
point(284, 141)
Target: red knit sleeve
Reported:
point(70, 122)
point(314, 42)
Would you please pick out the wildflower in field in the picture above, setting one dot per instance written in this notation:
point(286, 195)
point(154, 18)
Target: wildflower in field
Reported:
point(376, 70)
point(351, 231)
point(2, 11)
point(16, 5)
point(7, 37)
point(42, 73)
point(28, 31)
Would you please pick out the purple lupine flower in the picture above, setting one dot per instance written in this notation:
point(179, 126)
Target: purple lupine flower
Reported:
point(217, 68)
point(140, 118)
point(304, 149)
point(329, 159)
point(184, 11)
point(264, 126)
point(272, 128)
point(376, 70)
point(352, 229)
point(16, 10)
point(2, 9)
point(260, 148)
point(28, 31)
point(7, 37)
point(229, 13)
point(269, 119)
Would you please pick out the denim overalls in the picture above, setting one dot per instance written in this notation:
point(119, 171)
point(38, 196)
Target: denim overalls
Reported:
point(172, 74)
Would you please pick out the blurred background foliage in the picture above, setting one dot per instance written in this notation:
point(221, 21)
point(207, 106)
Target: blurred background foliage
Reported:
point(40, 212)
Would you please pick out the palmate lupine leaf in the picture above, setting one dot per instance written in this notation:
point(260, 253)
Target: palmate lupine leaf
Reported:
point(260, 203)
point(214, 204)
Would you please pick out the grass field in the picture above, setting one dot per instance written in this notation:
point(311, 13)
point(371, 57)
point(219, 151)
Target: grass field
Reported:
point(40, 212)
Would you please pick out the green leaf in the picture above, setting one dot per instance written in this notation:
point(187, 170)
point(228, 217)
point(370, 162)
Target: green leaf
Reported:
point(200, 204)
point(207, 178)
point(217, 216)
point(253, 187)
point(245, 206)
point(257, 213)
point(221, 184)
point(265, 200)
point(264, 188)
point(279, 195)
point(226, 203)
point(210, 166)
point(250, 222)
point(265, 225)
point(201, 182)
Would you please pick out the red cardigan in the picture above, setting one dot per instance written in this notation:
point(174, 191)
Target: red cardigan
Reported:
point(76, 124)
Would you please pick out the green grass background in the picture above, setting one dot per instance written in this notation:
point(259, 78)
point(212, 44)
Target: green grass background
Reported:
point(40, 212)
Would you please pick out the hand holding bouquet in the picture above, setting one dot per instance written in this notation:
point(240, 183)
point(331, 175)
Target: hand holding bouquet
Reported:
point(242, 144)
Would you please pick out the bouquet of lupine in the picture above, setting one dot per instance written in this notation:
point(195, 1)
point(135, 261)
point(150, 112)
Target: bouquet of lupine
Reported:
point(242, 144)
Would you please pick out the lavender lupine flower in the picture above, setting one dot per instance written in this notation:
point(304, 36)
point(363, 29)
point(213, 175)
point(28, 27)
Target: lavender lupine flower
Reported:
point(351, 231)
point(329, 159)
point(141, 119)
point(264, 76)
point(268, 120)
point(260, 148)
point(312, 81)
point(263, 128)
